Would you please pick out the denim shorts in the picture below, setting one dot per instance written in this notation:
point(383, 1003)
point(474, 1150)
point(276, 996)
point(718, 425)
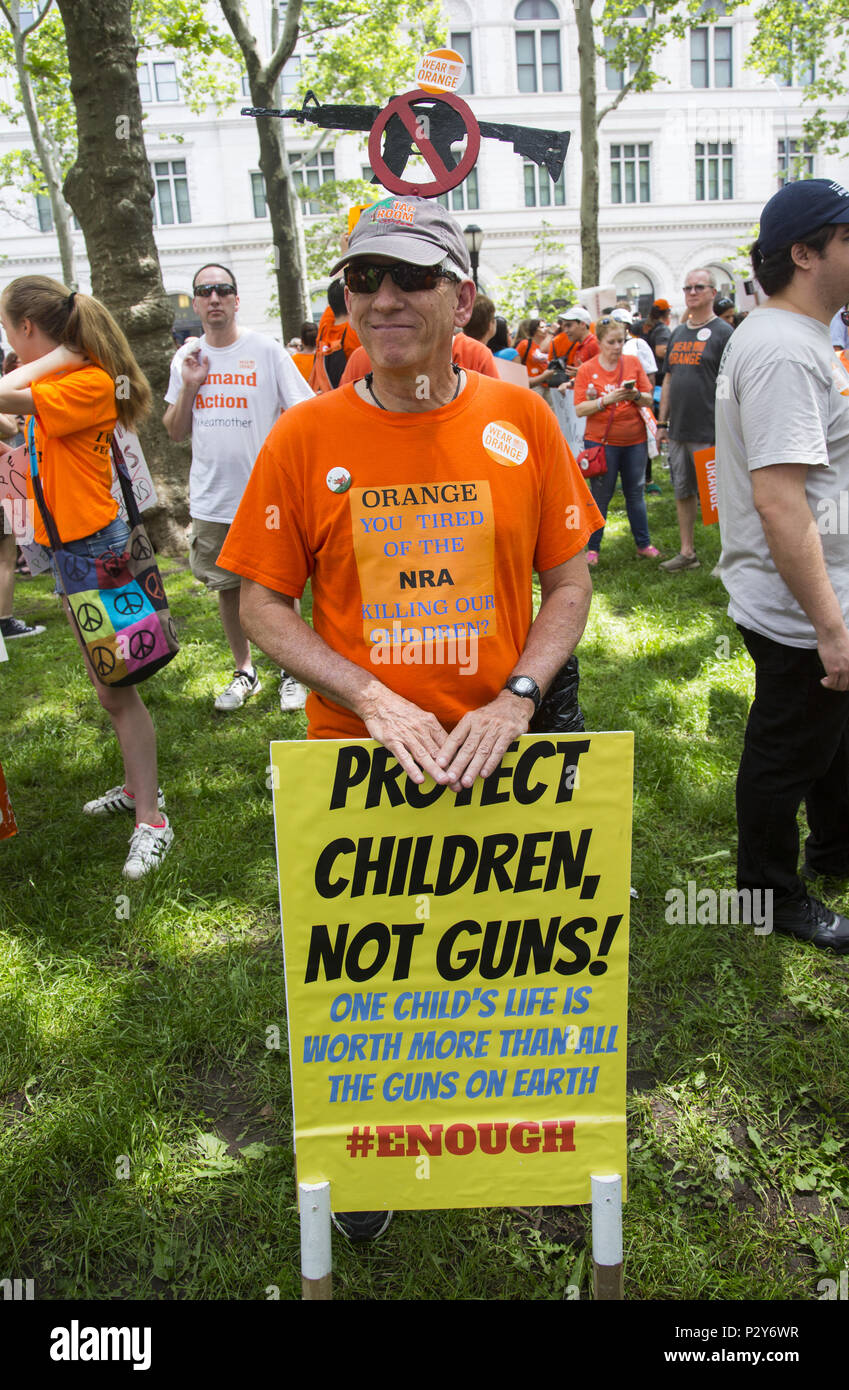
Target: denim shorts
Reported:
point(114, 538)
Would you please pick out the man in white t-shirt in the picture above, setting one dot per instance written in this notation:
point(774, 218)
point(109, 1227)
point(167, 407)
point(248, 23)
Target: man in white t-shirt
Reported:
point(226, 390)
point(782, 450)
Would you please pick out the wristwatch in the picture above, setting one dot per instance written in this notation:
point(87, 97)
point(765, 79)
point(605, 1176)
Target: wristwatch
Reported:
point(526, 688)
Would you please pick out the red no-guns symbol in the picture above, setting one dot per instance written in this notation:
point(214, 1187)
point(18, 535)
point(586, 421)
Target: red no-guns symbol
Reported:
point(445, 178)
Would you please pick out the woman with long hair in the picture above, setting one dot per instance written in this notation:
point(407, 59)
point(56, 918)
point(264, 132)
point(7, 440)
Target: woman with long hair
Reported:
point(604, 384)
point(77, 377)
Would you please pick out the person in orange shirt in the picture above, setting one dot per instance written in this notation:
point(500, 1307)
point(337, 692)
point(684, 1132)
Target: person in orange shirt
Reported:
point(73, 354)
point(610, 391)
point(304, 359)
point(532, 347)
point(336, 342)
point(419, 517)
point(577, 342)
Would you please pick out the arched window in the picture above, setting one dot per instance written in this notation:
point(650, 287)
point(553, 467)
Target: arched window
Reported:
point(636, 287)
point(538, 67)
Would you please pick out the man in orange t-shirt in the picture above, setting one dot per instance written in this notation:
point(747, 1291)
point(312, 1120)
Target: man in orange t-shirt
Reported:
point(392, 500)
point(576, 343)
point(418, 500)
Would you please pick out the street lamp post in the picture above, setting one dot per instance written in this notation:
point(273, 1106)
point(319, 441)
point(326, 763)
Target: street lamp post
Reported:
point(473, 237)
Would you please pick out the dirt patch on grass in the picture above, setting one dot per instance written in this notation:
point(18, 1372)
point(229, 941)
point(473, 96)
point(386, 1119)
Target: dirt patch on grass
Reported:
point(232, 1111)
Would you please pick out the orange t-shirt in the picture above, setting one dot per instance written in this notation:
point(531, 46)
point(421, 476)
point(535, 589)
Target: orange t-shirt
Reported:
point(628, 426)
point(304, 362)
point(572, 353)
point(430, 546)
point(482, 360)
point(476, 357)
point(534, 358)
point(74, 418)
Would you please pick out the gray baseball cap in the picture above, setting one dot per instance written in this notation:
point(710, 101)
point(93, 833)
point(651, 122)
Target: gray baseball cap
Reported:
point(416, 230)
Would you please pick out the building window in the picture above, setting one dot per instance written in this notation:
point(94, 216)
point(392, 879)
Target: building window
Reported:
point(629, 174)
point(45, 212)
point(538, 50)
point(795, 160)
point(464, 197)
point(462, 44)
point(714, 170)
point(795, 74)
point(172, 192)
point(615, 77)
point(318, 170)
point(258, 195)
point(711, 54)
point(164, 83)
point(540, 192)
point(290, 76)
point(636, 287)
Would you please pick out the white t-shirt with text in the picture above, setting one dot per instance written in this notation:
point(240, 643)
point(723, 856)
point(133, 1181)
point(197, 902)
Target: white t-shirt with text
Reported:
point(249, 384)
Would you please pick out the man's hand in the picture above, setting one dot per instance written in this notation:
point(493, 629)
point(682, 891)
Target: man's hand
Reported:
point(195, 370)
point(477, 744)
point(834, 655)
point(411, 734)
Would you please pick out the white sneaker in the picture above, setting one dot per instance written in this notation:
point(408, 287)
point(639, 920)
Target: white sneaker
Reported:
point(293, 695)
point(240, 689)
point(148, 846)
point(116, 799)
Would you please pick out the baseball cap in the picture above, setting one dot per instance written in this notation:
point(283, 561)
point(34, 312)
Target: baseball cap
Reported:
point(800, 208)
point(622, 316)
point(576, 314)
point(662, 304)
point(417, 230)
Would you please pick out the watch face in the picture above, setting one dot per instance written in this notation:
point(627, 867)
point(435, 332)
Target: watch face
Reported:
point(522, 685)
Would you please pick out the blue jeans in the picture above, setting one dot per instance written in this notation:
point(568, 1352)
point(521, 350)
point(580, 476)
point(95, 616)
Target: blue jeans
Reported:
point(113, 537)
point(628, 461)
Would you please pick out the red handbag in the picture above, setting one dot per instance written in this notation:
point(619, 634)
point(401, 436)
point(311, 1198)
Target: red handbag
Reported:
point(592, 461)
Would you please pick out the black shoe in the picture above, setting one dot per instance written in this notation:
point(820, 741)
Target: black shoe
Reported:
point(361, 1225)
point(810, 921)
point(14, 627)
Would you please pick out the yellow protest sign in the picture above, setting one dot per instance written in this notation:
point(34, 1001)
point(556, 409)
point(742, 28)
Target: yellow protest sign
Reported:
point(456, 972)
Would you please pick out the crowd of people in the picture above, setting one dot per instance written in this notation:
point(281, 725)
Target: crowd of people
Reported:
point(402, 403)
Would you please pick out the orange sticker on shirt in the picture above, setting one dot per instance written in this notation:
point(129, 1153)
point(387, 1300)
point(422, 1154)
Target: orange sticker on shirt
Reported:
point(504, 443)
point(425, 558)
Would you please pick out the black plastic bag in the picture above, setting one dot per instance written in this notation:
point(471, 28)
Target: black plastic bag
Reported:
point(559, 711)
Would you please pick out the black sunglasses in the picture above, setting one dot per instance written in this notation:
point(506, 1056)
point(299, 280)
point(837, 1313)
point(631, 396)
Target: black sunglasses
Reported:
point(686, 288)
point(367, 278)
point(204, 291)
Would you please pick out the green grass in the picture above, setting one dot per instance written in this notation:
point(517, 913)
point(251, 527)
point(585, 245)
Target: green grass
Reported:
point(145, 1126)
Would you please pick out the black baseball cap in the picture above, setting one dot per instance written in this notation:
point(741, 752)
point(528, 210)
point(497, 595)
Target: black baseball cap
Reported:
point(799, 209)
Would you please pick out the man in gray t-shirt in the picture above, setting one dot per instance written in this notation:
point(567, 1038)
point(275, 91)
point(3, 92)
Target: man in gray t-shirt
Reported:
point(782, 448)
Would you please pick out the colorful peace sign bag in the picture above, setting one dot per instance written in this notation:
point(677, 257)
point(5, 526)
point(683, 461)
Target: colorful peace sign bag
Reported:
point(117, 601)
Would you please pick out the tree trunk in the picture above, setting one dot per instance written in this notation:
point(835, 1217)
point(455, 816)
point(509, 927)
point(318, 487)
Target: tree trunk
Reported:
point(110, 189)
point(590, 254)
point(280, 196)
point(273, 161)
